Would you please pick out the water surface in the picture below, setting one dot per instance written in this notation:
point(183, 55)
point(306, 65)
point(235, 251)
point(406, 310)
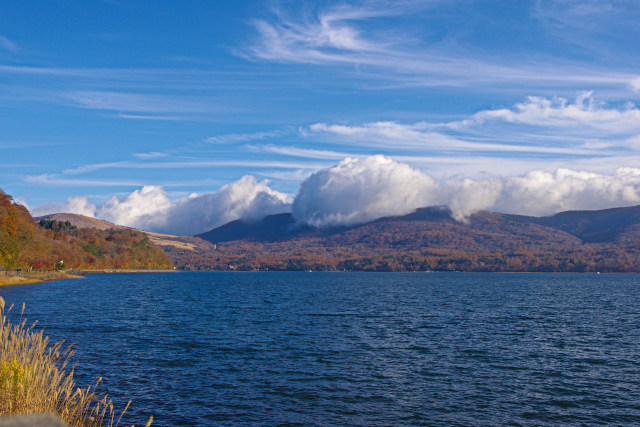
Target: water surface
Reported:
point(236, 348)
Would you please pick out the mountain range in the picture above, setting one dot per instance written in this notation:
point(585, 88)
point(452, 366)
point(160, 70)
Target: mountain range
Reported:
point(428, 239)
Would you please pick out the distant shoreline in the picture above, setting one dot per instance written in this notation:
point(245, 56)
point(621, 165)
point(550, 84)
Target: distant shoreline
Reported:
point(14, 277)
point(116, 270)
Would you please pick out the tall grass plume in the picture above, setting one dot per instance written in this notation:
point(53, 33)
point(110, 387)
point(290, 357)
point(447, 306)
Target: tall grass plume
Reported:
point(36, 377)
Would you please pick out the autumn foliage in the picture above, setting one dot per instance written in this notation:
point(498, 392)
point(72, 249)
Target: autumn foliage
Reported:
point(26, 245)
point(430, 240)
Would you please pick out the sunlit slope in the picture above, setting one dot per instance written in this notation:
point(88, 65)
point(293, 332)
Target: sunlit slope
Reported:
point(429, 239)
point(26, 245)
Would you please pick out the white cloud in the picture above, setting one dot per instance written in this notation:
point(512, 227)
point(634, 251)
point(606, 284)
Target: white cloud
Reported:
point(309, 153)
point(418, 136)
point(544, 193)
point(541, 126)
point(80, 205)
point(150, 155)
point(385, 133)
point(142, 208)
point(150, 208)
point(361, 190)
point(246, 199)
point(7, 44)
point(314, 39)
point(296, 175)
point(61, 178)
point(232, 138)
point(77, 204)
point(152, 117)
point(345, 37)
point(357, 191)
point(135, 103)
point(467, 196)
point(586, 113)
point(21, 201)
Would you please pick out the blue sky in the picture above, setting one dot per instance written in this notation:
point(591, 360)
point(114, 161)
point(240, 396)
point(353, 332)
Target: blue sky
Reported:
point(102, 98)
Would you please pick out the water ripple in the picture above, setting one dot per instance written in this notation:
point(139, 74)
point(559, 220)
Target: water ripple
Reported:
point(353, 349)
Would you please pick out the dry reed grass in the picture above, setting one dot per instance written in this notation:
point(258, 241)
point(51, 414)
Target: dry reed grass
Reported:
point(35, 377)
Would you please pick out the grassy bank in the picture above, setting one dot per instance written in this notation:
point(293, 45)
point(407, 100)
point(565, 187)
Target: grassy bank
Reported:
point(35, 377)
point(15, 278)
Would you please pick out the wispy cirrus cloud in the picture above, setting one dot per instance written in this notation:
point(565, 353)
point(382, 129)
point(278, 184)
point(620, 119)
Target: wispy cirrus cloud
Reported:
point(7, 44)
point(417, 137)
point(69, 177)
point(292, 151)
point(536, 133)
point(545, 126)
point(346, 35)
point(61, 180)
point(317, 39)
point(232, 138)
point(150, 155)
point(132, 102)
point(153, 117)
point(586, 26)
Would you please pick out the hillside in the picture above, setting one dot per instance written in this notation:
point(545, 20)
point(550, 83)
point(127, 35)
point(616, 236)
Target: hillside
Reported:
point(425, 240)
point(429, 239)
point(81, 221)
point(177, 247)
point(26, 245)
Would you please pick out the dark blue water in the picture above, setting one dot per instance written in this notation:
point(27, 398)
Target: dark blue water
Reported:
point(356, 349)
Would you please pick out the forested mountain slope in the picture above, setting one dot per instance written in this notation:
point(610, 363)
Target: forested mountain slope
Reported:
point(429, 239)
point(26, 245)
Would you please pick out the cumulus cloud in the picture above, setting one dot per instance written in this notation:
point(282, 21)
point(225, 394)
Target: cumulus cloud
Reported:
point(142, 208)
point(77, 204)
point(467, 196)
point(246, 199)
point(357, 191)
point(544, 193)
point(80, 205)
point(361, 190)
point(150, 208)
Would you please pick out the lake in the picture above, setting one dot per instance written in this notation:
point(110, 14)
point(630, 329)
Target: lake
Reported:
point(295, 348)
